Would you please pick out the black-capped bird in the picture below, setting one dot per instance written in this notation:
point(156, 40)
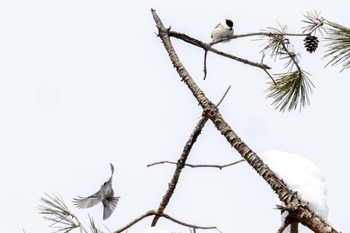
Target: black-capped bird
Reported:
point(104, 195)
point(223, 30)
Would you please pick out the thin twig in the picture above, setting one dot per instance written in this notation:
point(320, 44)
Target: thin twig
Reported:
point(205, 62)
point(262, 61)
point(270, 76)
point(197, 165)
point(223, 97)
point(186, 224)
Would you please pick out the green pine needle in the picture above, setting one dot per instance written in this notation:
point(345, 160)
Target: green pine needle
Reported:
point(55, 210)
point(290, 90)
point(275, 43)
point(93, 227)
point(313, 21)
point(338, 46)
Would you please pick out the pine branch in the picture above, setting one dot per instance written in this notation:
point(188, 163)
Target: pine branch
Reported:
point(338, 46)
point(290, 90)
point(276, 41)
point(314, 22)
point(93, 227)
point(56, 211)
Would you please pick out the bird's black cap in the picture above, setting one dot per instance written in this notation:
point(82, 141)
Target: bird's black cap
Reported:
point(229, 23)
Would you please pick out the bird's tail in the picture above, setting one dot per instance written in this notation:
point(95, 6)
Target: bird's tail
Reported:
point(112, 169)
point(109, 206)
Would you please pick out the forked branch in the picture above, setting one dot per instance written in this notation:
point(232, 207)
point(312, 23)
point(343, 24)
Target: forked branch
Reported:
point(300, 212)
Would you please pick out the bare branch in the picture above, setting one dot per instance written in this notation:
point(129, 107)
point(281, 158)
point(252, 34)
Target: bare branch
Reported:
point(282, 227)
point(179, 166)
point(205, 63)
point(153, 212)
point(205, 46)
point(136, 220)
point(198, 165)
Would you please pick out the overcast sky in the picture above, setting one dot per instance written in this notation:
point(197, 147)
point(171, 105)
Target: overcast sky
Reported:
point(86, 83)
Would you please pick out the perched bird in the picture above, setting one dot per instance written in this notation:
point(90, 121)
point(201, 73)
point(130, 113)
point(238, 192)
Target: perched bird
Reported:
point(223, 30)
point(104, 195)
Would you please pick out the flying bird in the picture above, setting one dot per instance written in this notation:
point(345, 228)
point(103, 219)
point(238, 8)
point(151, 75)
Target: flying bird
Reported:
point(223, 30)
point(104, 195)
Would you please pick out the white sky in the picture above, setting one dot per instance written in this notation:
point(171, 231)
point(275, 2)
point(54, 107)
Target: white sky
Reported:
point(86, 83)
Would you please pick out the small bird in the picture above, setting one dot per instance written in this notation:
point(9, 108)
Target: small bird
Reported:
point(104, 195)
point(223, 30)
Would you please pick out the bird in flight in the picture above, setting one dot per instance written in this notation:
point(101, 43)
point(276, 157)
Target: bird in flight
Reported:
point(104, 195)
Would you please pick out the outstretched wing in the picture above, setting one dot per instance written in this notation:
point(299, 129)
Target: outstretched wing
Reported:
point(86, 202)
point(109, 206)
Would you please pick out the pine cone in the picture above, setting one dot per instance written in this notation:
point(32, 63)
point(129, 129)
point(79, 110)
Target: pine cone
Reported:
point(310, 43)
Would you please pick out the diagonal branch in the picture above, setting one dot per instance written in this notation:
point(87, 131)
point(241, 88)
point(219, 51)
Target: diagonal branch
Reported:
point(282, 227)
point(179, 166)
point(299, 211)
point(207, 47)
point(136, 220)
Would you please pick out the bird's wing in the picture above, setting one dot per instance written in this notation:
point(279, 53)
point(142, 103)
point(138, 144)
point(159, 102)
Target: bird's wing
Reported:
point(109, 206)
point(214, 30)
point(86, 202)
